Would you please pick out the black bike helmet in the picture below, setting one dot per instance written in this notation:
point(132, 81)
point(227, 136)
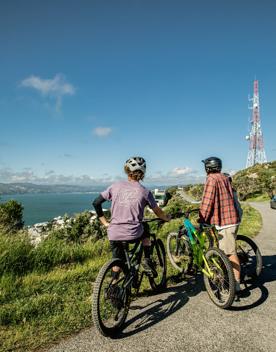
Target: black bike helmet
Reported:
point(212, 164)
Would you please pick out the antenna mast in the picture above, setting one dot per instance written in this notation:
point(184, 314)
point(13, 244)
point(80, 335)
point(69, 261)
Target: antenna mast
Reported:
point(256, 153)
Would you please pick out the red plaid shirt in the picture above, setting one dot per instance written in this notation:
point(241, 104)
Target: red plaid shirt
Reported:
point(217, 206)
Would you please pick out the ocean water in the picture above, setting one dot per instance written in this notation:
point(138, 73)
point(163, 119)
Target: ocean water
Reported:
point(44, 207)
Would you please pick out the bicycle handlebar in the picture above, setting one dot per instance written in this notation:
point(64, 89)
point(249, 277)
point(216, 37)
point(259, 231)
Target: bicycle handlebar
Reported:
point(154, 219)
point(187, 213)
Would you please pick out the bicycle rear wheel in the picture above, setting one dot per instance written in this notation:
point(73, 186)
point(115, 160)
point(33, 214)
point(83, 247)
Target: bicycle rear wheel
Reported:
point(250, 257)
point(221, 285)
point(110, 299)
point(179, 252)
point(158, 257)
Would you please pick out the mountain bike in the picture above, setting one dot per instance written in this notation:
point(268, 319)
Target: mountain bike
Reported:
point(111, 296)
point(191, 248)
point(247, 250)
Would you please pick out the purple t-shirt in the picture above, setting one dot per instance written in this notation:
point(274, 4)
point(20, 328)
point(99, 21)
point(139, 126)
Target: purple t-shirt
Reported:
point(129, 199)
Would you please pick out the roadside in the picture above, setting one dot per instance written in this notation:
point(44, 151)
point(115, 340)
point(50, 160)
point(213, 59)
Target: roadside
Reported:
point(183, 318)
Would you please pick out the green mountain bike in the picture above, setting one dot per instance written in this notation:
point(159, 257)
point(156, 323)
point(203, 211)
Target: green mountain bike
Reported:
point(247, 250)
point(111, 296)
point(192, 248)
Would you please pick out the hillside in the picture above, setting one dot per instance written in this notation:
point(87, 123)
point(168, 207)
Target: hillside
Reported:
point(23, 188)
point(258, 181)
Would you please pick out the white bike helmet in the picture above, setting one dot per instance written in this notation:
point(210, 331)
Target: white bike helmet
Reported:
point(136, 163)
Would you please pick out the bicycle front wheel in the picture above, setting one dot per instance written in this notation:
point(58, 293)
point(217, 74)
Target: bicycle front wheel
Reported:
point(179, 252)
point(110, 298)
point(220, 284)
point(158, 257)
point(250, 257)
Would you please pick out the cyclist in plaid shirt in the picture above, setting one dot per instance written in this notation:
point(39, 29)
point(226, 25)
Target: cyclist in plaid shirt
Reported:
point(218, 208)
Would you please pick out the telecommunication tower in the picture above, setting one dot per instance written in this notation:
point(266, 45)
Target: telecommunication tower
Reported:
point(256, 153)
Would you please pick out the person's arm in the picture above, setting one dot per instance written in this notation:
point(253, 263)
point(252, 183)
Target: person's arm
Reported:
point(167, 197)
point(208, 199)
point(155, 208)
point(97, 203)
point(159, 212)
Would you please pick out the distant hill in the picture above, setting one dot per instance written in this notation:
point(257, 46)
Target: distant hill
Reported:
point(23, 188)
point(258, 181)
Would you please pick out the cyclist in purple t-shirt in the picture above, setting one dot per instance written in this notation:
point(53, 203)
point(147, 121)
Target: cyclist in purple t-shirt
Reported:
point(129, 199)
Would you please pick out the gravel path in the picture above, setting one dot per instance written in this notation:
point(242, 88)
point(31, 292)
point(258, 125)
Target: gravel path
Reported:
point(184, 319)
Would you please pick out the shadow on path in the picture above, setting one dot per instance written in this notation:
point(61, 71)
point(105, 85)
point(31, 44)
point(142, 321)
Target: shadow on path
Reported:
point(178, 296)
point(268, 274)
point(161, 308)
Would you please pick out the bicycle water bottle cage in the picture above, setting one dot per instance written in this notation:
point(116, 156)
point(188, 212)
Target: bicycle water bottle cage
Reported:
point(190, 229)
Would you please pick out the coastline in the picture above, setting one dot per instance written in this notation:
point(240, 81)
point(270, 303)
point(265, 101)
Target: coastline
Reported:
point(43, 207)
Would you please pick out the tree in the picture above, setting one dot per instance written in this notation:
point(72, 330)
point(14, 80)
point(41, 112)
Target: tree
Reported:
point(11, 216)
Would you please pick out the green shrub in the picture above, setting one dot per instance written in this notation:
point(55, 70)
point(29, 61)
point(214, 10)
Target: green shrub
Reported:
point(79, 229)
point(53, 251)
point(195, 191)
point(175, 205)
point(15, 254)
point(11, 216)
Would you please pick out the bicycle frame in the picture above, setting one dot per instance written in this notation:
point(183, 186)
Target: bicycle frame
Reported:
point(197, 245)
point(133, 261)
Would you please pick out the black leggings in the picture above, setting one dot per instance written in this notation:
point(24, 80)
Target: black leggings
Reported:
point(117, 247)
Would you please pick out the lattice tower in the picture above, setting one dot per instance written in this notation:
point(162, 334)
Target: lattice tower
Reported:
point(256, 152)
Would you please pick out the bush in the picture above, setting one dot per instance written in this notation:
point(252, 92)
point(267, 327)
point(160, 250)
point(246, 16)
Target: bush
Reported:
point(19, 257)
point(195, 191)
point(79, 229)
point(11, 216)
point(15, 254)
point(175, 205)
point(53, 251)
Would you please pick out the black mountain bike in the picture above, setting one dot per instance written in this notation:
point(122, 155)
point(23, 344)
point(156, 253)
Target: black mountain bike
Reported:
point(111, 297)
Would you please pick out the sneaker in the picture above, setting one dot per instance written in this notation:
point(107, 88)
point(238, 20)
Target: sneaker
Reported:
point(241, 293)
point(148, 267)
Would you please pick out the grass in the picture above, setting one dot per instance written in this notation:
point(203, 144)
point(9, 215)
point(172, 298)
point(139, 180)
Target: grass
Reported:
point(260, 198)
point(52, 298)
point(251, 221)
point(40, 307)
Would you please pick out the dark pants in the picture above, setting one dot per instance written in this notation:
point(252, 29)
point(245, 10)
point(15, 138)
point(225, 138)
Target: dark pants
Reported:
point(117, 247)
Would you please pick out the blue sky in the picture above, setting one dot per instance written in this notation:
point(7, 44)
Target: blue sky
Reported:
point(86, 84)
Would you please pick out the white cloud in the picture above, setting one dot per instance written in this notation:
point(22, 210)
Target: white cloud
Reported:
point(56, 87)
point(177, 176)
point(102, 131)
point(178, 171)
point(50, 177)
